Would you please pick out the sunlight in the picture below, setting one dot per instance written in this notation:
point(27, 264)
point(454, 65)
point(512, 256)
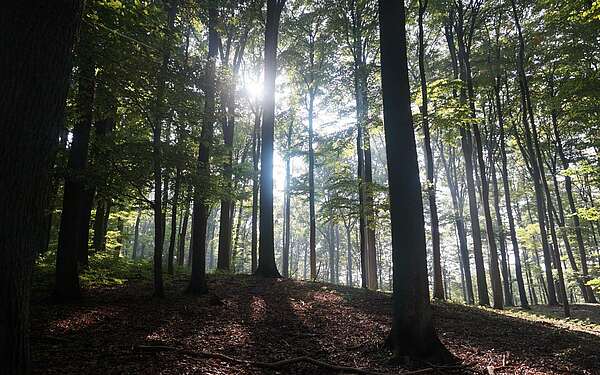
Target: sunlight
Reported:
point(253, 89)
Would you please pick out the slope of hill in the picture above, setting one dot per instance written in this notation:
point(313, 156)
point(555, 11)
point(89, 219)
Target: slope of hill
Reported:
point(246, 322)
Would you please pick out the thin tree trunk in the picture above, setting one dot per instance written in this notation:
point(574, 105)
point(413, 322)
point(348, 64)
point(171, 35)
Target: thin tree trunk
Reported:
point(255, 190)
point(311, 191)
point(287, 207)
point(173, 237)
point(507, 199)
point(136, 233)
point(183, 228)
point(438, 287)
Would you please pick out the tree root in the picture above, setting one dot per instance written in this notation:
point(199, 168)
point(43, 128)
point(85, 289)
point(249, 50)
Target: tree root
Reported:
point(271, 365)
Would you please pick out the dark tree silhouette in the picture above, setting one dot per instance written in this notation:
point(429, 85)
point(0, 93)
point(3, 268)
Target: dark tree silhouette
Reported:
point(37, 39)
point(412, 327)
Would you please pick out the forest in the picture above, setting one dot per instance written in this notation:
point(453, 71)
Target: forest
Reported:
point(300, 187)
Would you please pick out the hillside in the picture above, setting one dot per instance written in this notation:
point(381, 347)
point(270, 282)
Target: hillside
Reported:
point(120, 329)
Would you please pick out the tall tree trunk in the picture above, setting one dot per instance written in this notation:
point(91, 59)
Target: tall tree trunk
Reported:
point(507, 199)
point(588, 296)
point(136, 233)
point(173, 236)
point(35, 78)
point(183, 228)
point(311, 190)
point(349, 266)
point(438, 287)
point(201, 206)
point(286, 206)
point(72, 221)
point(467, 148)
point(452, 179)
point(255, 190)
point(158, 116)
point(226, 218)
point(412, 326)
point(535, 167)
point(266, 261)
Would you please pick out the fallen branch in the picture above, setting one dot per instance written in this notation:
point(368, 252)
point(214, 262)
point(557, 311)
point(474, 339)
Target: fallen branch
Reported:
point(271, 365)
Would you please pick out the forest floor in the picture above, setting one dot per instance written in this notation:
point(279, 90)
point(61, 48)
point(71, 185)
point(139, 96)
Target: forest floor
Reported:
point(120, 329)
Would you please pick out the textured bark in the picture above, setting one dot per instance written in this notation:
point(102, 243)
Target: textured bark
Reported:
point(34, 76)
point(412, 327)
point(201, 205)
point(266, 249)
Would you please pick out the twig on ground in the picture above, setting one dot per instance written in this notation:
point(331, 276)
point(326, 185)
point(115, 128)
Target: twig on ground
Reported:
point(272, 365)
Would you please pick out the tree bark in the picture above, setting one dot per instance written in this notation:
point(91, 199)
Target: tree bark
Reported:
point(266, 261)
point(34, 76)
point(311, 190)
point(412, 327)
point(201, 206)
point(70, 252)
point(158, 117)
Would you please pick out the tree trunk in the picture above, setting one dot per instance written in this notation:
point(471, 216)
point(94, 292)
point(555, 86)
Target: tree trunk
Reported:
point(173, 236)
point(349, 266)
point(412, 327)
point(311, 191)
point(136, 233)
point(452, 179)
point(255, 190)
point(438, 287)
point(266, 261)
point(35, 78)
point(287, 208)
point(72, 221)
point(183, 229)
point(535, 167)
point(467, 148)
point(588, 295)
point(158, 117)
point(507, 199)
point(201, 207)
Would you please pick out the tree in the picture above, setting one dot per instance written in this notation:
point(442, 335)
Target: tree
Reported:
point(73, 224)
point(201, 207)
point(412, 327)
point(266, 250)
point(31, 112)
point(438, 287)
